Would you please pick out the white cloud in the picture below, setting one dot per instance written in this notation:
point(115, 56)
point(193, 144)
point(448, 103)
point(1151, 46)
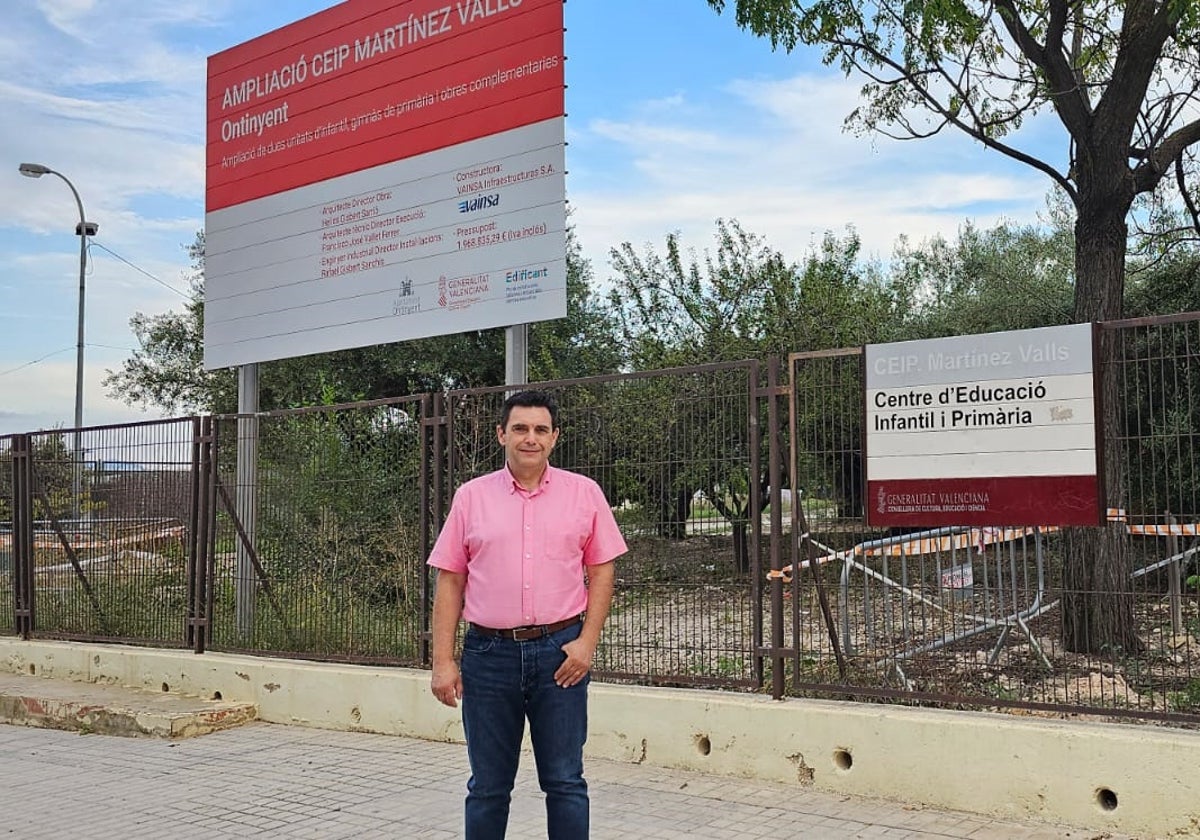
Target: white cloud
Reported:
point(772, 155)
point(43, 397)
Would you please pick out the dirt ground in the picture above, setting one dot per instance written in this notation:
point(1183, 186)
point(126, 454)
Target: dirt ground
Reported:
point(682, 612)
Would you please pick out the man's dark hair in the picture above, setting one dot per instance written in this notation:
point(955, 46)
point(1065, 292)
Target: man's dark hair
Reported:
point(530, 399)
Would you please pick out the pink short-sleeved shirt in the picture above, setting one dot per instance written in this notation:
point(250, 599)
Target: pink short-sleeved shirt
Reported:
point(524, 553)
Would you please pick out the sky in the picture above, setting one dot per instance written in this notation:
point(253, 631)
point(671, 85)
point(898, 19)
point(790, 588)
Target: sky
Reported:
point(675, 118)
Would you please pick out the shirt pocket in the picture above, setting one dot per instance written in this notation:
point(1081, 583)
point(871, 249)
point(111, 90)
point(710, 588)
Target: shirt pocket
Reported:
point(567, 536)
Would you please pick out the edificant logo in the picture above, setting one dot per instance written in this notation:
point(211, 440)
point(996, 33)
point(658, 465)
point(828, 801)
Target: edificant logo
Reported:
point(521, 275)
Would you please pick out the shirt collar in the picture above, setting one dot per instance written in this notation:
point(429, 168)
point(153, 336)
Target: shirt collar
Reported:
point(515, 487)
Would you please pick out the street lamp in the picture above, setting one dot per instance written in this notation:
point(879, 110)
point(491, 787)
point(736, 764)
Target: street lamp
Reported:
point(83, 230)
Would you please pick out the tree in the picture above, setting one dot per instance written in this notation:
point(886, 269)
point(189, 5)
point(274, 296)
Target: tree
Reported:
point(53, 476)
point(167, 370)
point(1004, 278)
point(742, 301)
point(1122, 80)
point(674, 313)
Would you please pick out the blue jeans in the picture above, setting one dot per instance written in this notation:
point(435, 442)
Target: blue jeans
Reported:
point(505, 681)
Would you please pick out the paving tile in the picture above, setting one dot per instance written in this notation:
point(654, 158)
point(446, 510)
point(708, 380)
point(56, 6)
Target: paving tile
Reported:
point(264, 780)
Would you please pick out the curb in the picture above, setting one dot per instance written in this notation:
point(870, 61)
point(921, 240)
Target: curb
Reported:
point(90, 708)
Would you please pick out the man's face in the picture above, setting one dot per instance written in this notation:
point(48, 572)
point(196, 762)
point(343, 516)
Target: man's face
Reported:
point(528, 439)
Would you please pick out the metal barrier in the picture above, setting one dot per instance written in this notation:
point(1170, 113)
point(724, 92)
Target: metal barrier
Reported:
point(328, 564)
point(99, 545)
point(8, 568)
point(903, 597)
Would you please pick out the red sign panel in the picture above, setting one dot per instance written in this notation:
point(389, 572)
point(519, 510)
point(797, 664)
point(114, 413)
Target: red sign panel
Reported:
point(370, 82)
point(1028, 500)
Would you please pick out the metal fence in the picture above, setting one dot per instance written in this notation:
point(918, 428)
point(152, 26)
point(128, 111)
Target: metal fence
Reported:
point(8, 594)
point(738, 488)
point(318, 552)
point(97, 544)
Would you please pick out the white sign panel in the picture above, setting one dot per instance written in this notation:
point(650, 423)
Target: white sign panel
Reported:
point(997, 428)
point(457, 239)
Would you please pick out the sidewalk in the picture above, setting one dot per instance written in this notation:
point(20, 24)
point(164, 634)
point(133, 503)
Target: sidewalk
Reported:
point(273, 781)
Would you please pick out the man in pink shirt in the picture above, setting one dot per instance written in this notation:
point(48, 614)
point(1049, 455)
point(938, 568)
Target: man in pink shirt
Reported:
point(512, 560)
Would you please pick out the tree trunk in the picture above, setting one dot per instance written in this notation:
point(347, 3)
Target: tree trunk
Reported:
point(674, 506)
point(1097, 594)
point(741, 546)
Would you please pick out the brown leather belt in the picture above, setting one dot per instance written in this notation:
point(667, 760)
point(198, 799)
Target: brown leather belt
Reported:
point(533, 631)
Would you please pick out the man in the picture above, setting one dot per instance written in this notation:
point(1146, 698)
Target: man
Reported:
point(512, 560)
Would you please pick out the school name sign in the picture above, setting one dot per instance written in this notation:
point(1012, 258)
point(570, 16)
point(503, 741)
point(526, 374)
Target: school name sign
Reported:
point(993, 429)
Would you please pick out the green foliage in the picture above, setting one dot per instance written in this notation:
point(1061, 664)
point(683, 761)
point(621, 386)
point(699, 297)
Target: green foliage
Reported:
point(167, 371)
point(584, 343)
point(744, 300)
point(1186, 700)
point(1166, 284)
point(323, 618)
point(134, 607)
point(1161, 387)
point(1004, 278)
point(339, 500)
point(741, 301)
point(53, 472)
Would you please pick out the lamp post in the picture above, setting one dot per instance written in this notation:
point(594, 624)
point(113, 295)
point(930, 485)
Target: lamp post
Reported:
point(83, 230)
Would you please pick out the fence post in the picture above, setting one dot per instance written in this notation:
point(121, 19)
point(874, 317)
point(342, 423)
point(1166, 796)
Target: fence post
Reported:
point(23, 516)
point(754, 538)
point(200, 559)
point(433, 428)
point(774, 391)
point(1174, 575)
point(246, 494)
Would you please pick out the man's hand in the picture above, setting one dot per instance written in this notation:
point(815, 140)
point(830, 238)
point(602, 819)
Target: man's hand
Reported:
point(580, 651)
point(579, 661)
point(447, 683)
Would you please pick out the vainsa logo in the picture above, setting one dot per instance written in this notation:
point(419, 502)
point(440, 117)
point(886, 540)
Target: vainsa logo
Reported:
point(483, 202)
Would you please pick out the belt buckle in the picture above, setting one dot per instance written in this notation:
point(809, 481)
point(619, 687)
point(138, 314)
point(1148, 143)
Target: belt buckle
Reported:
point(530, 631)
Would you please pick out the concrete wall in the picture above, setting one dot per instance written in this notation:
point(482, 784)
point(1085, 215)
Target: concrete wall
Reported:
point(1129, 778)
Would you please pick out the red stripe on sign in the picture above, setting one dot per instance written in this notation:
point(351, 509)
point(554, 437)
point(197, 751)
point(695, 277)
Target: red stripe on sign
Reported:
point(251, 88)
point(497, 72)
point(1011, 500)
point(357, 124)
point(322, 33)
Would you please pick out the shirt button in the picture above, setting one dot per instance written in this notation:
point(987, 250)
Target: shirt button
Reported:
point(527, 556)
point(527, 586)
